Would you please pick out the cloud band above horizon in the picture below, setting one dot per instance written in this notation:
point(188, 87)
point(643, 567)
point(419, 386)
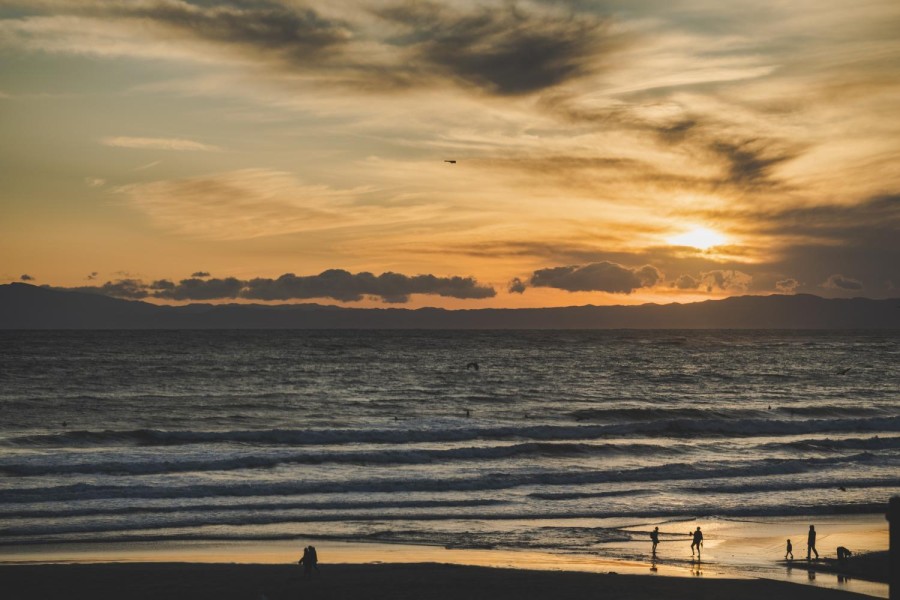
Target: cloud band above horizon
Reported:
point(337, 284)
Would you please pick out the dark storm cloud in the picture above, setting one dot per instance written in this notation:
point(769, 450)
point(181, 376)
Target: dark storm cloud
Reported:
point(296, 34)
point(26, 277)
point(878, 216)
point(750, 163)
point(597, 277)
point(162, 285)
point(334, 283)
point(841, 282)
point(726, 280)
point(686, 282)
point(129, 289)
point(201, 289)
point(508, 50)
point(504, 49)
point(517, 286)
point(747, 162)
point(200, 274)
point(350, 287)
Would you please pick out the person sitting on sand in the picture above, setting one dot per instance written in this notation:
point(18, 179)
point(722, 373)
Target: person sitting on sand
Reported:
point(789, 551)
point(843, 553)
point(811, 543)
point(654, 537)
point(698, 541)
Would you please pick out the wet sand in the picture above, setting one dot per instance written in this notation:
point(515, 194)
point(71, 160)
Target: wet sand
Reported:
point(747, 549)
point(200, 581)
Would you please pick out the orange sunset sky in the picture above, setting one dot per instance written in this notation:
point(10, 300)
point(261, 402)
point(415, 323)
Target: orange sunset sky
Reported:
point(612, 152)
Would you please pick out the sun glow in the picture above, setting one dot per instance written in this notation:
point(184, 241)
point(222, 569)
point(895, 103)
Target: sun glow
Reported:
point(698, 237)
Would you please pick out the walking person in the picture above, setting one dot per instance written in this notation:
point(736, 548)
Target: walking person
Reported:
point(306, 561)
point(654, 537)
point(698, 542)
point(811, 543)
point(789, 551)
point(314, 559)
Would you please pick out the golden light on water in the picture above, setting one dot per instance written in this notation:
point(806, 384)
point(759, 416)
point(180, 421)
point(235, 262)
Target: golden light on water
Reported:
point(701, 238)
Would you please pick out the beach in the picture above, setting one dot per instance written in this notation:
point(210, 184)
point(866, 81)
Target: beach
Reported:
point(739, 557)
point(562, 452)
point(348, 582)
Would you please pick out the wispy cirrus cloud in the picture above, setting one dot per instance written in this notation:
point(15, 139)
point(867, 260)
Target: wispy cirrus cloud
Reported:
point(586, 133)
point(252, 203)
point(153, 143)
point(241, 204)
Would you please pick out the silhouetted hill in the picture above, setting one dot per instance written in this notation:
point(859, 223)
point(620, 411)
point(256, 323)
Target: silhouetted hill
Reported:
point(24, 306)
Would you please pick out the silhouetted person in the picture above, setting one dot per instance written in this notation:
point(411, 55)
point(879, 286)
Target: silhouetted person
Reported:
point(654, 537)
point(811, 543)
point(789, 551)
point(308, 561)
point(314, 558)
point(698, 542)
point(472, 365)
point(843, 553)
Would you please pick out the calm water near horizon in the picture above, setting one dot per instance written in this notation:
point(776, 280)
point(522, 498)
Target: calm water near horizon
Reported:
point(561, 441)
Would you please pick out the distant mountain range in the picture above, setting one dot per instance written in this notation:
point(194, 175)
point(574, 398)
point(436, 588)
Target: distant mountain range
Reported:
point(24, 306)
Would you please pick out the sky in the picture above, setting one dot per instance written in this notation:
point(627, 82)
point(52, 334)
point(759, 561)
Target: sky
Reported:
point(614, 152)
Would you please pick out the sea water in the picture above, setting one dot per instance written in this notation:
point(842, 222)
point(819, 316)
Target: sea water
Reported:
point(559, 441)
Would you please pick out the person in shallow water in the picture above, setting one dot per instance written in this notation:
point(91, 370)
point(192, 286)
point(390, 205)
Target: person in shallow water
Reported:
point(811, 543)
point(654, 537)
point(789, 550)
point(698, 541)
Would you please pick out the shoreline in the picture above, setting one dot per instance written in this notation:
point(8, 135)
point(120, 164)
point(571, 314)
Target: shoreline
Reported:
point(734, 549)
point(745, 550)
point(433, 581)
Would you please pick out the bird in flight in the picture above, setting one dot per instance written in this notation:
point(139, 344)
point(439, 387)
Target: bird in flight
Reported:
point(452, 162)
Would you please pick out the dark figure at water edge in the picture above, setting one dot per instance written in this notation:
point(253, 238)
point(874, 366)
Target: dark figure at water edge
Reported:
point(306, 561)
point(472, 365)
point(843, 553)
point(698, 542)
point(789, 551)
point(314, 558)
point(654, 537)
point(811, 543)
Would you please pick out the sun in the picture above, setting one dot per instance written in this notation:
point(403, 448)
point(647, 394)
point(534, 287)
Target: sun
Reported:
point(698, 237)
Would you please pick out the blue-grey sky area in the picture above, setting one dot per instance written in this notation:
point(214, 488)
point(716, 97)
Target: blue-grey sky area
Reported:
point(606, 152)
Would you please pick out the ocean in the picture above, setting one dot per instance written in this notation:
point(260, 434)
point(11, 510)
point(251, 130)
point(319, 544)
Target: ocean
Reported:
point(560, 441)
